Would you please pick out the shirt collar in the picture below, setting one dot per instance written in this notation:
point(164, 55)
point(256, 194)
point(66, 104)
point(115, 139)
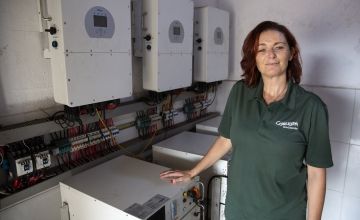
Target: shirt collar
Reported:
point(289, 99)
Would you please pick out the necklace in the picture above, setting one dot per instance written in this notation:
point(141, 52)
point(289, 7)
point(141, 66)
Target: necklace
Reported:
point(268, 99)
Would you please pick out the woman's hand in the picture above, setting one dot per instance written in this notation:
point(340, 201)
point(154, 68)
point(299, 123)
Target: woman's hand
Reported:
point(176, 176)
point(220, 147)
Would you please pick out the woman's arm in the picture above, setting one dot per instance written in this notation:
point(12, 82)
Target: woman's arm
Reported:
point(316, 187)
point(220, 147)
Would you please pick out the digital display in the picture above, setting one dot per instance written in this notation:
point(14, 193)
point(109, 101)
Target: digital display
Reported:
point(176, 31)
point(100, 21)
point(219, 35)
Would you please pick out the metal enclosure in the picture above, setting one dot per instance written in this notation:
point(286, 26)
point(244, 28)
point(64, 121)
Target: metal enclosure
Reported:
point(136, 27)
point(186, 149)
point(90, 47)
point(125, 188)
point(211, 44)
point(167, 48)
point(210, 126)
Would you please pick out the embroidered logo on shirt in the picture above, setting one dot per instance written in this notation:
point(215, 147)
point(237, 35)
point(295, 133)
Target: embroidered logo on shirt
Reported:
point(288, 124)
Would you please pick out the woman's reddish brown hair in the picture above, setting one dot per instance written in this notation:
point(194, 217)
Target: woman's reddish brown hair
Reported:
point(248, 63)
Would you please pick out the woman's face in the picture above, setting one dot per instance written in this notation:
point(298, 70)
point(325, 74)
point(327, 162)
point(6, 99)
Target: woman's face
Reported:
point(273, 54)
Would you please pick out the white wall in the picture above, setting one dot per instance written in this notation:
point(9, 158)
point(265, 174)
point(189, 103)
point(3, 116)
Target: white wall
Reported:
point(328, 32)
point(25, 76)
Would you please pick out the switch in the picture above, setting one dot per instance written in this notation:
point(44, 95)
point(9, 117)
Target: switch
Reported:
point(147, 37)
point(51, 30)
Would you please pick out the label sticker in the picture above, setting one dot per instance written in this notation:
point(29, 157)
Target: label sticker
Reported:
point(139, 211)
point(156, 201)
point(150, 206)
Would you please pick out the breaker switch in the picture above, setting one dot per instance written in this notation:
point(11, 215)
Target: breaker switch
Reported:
point(51, 30)
point(147, 37)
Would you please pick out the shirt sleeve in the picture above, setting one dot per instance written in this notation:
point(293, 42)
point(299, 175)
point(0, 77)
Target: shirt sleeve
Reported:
point(225, 124)
point(318, 152)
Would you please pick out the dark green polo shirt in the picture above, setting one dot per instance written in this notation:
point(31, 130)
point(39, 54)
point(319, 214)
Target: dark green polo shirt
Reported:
point(267, 174)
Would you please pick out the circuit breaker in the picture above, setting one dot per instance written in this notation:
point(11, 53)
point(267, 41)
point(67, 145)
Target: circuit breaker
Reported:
point(167, 47)
point(211, 44)
point(90, 48)
point(26, 158)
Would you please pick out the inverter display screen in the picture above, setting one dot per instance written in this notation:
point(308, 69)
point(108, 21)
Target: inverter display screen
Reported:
point(100, 21)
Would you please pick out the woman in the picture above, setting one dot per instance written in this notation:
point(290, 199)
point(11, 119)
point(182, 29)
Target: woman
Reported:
point(278, 133)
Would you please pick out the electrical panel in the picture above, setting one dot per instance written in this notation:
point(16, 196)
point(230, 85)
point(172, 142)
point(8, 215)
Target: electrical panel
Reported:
point(211, 44)
point(183, 152)
point(90, 48)
point(167, 48)
point(129, 189)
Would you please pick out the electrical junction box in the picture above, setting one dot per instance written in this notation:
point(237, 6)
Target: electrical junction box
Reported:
point(211, 44)
point(210, 126)
point(167, 48)
point(183, 152)
point(128, 189)
point(90, 47)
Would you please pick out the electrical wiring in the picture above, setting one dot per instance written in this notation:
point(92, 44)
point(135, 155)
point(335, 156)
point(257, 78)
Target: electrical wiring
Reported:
point(23, 141)
point(2, 158)
point(148, 102)
point(2, 153)
point(111, 135)
point(4, 193)
point(213, 98)
point(148, 144)
point(66, 118)
point(32, 157)
point(105, 140)
point(47, 114)
point(208, 192)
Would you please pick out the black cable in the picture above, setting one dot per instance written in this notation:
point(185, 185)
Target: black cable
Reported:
point(147, 101)
point(208, 204)
point(27, 147)
point(57, 157)
point(213, 98)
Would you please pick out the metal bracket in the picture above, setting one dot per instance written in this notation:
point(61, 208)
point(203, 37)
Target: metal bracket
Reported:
point(41, 6)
